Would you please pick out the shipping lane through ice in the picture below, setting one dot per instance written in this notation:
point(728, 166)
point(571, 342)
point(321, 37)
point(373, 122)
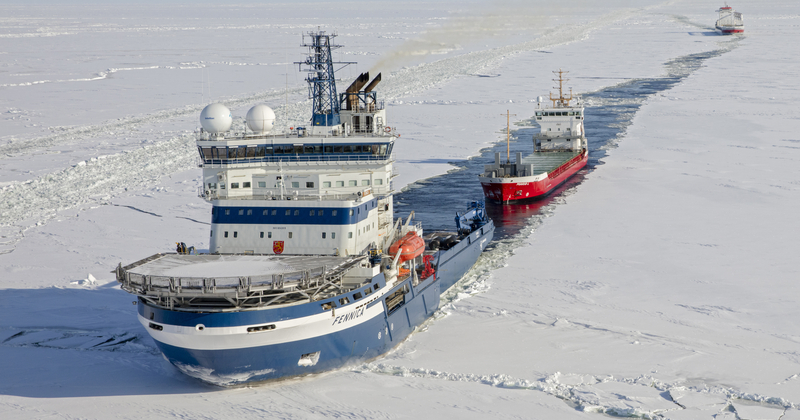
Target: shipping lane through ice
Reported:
point(609, 111)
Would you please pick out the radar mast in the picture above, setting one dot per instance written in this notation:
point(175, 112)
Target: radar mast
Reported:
point(321, 83)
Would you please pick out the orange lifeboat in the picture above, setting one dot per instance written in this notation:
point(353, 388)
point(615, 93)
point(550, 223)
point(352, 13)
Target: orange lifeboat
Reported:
point(410, 247)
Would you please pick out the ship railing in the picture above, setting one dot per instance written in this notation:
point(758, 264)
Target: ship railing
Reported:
point(214, 195)
point(316, 160)
point(190, 293)
point(558, 171)
point(298, 132)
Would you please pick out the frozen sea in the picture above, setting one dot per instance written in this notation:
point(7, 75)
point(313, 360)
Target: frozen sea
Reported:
point(659, 284)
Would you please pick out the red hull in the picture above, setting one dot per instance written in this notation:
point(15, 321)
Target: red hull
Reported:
point(521, 190)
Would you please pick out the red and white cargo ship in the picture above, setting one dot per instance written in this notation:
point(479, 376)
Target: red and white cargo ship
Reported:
point(559, 151)
point(730, 21)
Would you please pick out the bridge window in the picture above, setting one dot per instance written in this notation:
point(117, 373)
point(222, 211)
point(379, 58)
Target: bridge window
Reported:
point(260, 151)
point(295, 185)
point(344, 300)
point(297, 212)
point(245, 185)
point(262, 184)
point(241, 212)
point(311, 212)
point(340, 183)
point(227, 212)
point(268, 150)
point(348, 149)
point(383, 150)
point(338, 148)
point(309, 149)
point(309, 185)
point(322, 212)
point(288, 213)
point(250, 212)
point(274, 212)
point(356, 296)
point(333, 212)
point(234, 185)
point(298, 149)
point(352, 183)
point(378, 182)
point(364, 182)
point(251, 152)
point(265, 212)
point(326, 184)
point(328, 149)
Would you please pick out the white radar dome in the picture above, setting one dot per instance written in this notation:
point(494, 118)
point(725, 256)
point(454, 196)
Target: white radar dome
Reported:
point(539, 99)
point(260, 119)
point(216, 118)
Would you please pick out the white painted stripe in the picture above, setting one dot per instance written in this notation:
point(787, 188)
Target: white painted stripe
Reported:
point(223, 338)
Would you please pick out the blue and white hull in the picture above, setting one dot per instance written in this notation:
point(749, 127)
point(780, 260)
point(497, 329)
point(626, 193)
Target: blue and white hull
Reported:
point(227, 348)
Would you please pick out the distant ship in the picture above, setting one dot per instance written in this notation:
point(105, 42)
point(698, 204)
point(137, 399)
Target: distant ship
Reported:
point(307, 268)
point(560, 150)
point(730, 21)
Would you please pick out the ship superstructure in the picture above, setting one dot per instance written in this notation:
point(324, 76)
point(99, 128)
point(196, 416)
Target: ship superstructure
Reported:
point(321, 189)
point(560, 150)
point(730, 21)
point(307, 269)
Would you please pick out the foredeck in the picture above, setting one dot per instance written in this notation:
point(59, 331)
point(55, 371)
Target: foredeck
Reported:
point(229, 282)
point(548, 161)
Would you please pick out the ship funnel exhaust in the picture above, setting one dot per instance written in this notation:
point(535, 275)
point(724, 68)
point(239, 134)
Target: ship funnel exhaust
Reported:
point(373, 83)
point(352, 90)
point(357, 84)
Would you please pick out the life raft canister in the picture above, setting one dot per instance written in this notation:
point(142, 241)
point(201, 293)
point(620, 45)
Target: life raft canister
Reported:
point(410, 247)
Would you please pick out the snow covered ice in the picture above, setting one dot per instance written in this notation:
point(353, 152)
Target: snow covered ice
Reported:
point(662, 286)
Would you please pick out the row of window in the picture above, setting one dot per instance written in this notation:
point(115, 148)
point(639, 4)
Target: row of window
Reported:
point(286, 212)
point(558, 113)
point(269, 234)
point(260, 151)
point(296, 184)
point(356, 296)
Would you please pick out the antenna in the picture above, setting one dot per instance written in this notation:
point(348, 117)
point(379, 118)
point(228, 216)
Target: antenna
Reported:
point(561, 101)
point(508, 115)
point(321, 82)
point(286, 51)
